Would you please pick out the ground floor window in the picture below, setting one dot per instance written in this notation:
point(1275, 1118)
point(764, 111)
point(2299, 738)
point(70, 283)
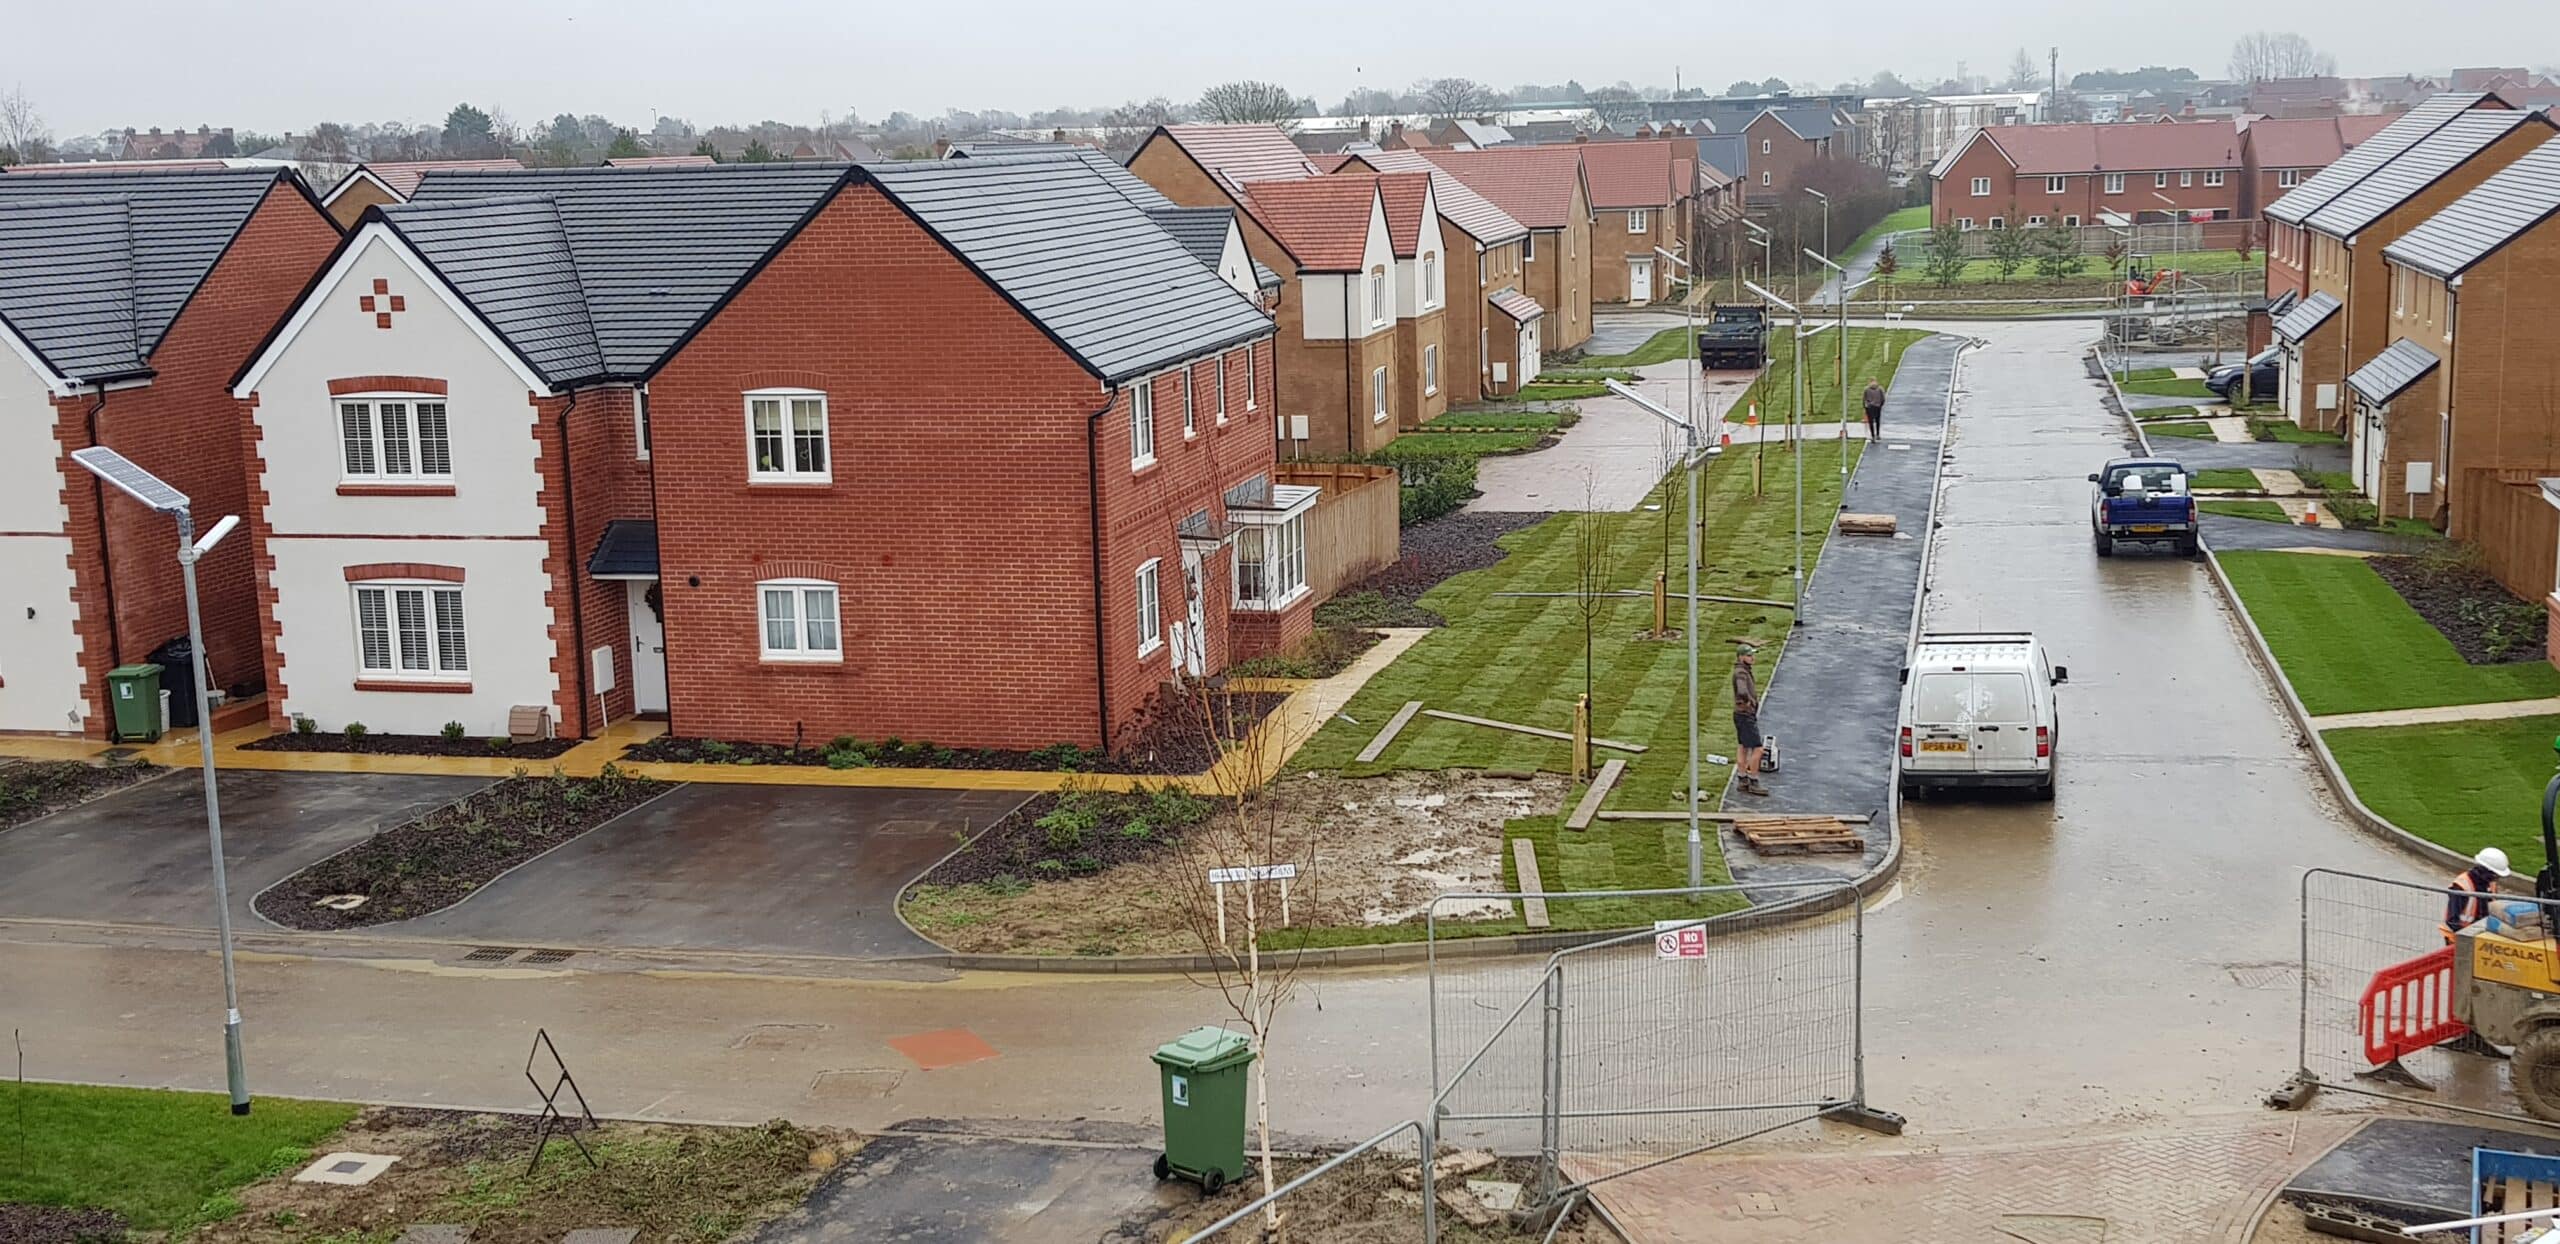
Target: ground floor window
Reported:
point(410, 631)
point(1271, 563)
point(1150, 606)
point(800, 620)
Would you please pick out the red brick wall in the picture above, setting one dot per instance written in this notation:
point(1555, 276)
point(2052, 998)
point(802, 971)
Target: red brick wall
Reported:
point(1953, 196)
point(185, 427)
point(956, 525)
point(608, 481)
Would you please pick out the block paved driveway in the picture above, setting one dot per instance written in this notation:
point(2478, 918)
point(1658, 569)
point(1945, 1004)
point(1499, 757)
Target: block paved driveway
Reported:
point(753, 869)
point(138, 856)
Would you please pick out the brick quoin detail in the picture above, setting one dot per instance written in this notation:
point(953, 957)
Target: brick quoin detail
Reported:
point(386, 384)
point(403, 570)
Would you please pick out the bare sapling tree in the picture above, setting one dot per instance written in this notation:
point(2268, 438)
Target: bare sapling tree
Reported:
point(23, 136)
point(1592, 530)
point(2262, 56)
point(1451, 99)
point(1233, 898)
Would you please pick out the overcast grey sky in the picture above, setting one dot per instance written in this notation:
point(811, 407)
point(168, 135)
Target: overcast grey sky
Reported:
point(282, 64)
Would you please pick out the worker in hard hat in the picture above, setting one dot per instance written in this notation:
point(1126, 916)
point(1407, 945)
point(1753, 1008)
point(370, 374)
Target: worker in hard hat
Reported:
point(2466, 899)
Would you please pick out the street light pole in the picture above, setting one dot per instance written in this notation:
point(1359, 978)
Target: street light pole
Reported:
point(1841, 305)
point(1693, 456)
point(1796, 394)
point(150, 490)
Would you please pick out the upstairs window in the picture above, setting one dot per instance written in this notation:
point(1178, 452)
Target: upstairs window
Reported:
point(1249, 388)
point(2288, 178)
point(2213, 177)
point(395, 440)
point(1142, 423)
point(1377, 296)
point(1431, 279)
point(1529, 246)
point(1764, 146)
point(2053, 185)
point(2159, 181)
point(2186, 177)
point(787, 436)
point(640, 420)
point(1222, 384)
point(1638, 221)
point(1190, 417)
point(2115, 183)
point(1981, 187)
point(410, 630)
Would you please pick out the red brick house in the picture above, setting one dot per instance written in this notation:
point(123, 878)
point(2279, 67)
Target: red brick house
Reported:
point(1782, 141)
point(126, 299)
point(2278, 154)
point(2288, 244)
point(611, 441)
point(2068, 174)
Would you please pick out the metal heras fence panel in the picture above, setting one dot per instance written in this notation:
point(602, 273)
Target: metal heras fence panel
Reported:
point(1355, 1197)
point(2380, 1011)
point(1623, 1051)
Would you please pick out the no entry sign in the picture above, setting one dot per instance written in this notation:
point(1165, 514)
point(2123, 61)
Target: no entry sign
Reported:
point(1679, 939)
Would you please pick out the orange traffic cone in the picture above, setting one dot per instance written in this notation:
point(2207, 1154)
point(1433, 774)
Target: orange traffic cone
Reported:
point(2311, 514)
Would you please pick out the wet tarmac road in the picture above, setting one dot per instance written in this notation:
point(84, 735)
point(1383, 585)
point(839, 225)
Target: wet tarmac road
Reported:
point(2073, 962)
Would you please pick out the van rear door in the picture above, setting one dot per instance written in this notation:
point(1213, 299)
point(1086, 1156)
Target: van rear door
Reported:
point(2004, 722)
point(1941, 723)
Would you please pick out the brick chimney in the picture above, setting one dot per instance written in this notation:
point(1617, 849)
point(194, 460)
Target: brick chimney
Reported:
point(1058, 136)
point(1364, 129)
point(1395, 134)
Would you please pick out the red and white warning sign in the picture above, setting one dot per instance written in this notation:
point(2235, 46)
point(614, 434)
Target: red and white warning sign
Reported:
point(1679, 939)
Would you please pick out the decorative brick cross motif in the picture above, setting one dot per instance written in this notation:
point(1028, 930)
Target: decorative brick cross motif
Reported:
point(381, 303)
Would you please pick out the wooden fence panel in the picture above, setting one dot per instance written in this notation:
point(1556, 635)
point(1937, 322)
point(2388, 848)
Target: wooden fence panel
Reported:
point(1353, 531)
point(2516, 529)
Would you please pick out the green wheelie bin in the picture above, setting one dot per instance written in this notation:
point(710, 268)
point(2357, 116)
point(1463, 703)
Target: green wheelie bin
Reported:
point(1205, 1087)
point(135, 692)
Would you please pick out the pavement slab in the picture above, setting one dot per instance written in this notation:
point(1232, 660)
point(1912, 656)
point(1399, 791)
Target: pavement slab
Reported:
point(2498, 710)
point(968, 1189)
point(1614, 455)
point(2230, 430)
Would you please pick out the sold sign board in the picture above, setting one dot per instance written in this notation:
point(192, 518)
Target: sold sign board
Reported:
point(1679, 939)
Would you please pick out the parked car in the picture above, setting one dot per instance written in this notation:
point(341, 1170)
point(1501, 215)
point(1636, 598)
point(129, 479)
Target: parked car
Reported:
point(2142, 499)
point(2262, 370)
point(1735, 336)
point(1980, 710)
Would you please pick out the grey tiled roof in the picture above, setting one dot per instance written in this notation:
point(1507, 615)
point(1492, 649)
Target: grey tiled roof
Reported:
point(2403, 176)
point(1144, 196)
point(1808, 123)
point(66, 284)
point(1107, 282)
point(2516, 198)
point(2294, 205)
point(2388, 374)
point(2306, 318)
point(654, 250)
point(629, 546)
point(1201, 230)
point(510, 258)
point(179, 223)
point(1729, 154)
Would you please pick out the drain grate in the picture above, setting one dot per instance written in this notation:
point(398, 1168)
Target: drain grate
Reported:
point(549, 956)
point(2264, 975)
point(490, 954)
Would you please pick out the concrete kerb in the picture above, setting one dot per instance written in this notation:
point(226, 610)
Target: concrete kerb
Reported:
point(2265, 656)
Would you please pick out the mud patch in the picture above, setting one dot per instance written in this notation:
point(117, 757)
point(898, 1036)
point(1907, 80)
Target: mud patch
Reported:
point(50, 1224)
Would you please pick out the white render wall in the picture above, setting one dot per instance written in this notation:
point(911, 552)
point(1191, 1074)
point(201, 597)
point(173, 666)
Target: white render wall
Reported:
point(40, 678)
point(1408, 278)
point(490, 527)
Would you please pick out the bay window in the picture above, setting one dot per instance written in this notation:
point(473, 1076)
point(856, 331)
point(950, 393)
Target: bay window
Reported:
point(1271, 563)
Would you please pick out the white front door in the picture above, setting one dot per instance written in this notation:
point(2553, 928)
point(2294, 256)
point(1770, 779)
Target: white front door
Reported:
point(2369, 448)
point(1195, 590)
point(2289, 383)
point(648, 650)
point(1639, 280)
point(1530, 362)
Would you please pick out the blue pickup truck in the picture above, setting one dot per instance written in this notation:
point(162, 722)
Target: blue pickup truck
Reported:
point(2142, 499)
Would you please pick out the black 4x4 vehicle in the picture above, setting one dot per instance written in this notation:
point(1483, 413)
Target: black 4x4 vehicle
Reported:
point(1735, 336)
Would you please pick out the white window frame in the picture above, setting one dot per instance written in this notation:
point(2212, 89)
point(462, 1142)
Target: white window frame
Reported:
point(2288, 178)
point(1998, 222)
point(1764, 177)
point(2186, 178)
point(1964, 224)
point(2115, 183)
point(1142, 423)
point(2213, 177)
point(1430, 369)
point(2056, 185)
point(803, 621)
point(1150, 589)
point(2071, 222)
point(789, 471)
point(1282, 545)
point(1431, 278)
point(2159, 181)
point(2035, 222)
point(1378, 395)
point(1250, 387)
point(431, 595)
point(1222, 384)
point(1764, 146)
point(412, 445)
point(1190, 409)
point(1528, 247)
point(1638, 220)
point(1377, 296)
point(640, 422)
point(1982, 187)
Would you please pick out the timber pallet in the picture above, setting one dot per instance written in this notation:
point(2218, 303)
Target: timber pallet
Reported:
point(1791, 835)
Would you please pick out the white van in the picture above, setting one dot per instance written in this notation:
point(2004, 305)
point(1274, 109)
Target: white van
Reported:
point(1979, 710)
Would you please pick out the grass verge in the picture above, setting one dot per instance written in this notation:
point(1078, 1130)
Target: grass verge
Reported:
point(1874, 354)
point(2183, 431)
point(2168, 387)
point(1662, 347)
point(1899, 220)
point(2157, 413)
point(2263, 511)
point(165, 1161)
point(2287, 432)
point(2462, 785)
point(1496, 420)
point(2350, 644)
point(2226, 477)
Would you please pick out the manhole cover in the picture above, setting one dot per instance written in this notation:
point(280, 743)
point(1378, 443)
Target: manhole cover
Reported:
point(490, 954)
point(858, 1082)
point(346, 1169)
point(779, 1037)
point(549, 956)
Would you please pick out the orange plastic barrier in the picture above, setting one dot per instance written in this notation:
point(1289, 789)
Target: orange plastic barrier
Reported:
point(2408, 1007)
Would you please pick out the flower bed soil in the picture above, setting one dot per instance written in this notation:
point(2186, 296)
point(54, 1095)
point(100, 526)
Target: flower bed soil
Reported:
point(1173, 742)
point(409, 745)
point(1430, 553)
point(52, 1224)
point(439, 859)
point(34, 788)
point(2471, 609)
point(1327, 652)
point(1013, 848)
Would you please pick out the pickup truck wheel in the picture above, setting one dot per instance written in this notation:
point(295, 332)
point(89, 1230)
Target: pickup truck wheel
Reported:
point(2189, 546)
point(2106, 544)
point(2535, 1072)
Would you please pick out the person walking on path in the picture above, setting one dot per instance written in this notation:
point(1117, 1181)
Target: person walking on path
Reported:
point(1875, 409)
point(1746, 724)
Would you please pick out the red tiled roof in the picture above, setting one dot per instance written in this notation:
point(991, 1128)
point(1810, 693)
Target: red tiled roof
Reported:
point(2046, 150)
point(1323, 221)
point(673, 161)
point(1517, 305)
point(1451, 197)
point(1635, 173)
point(403, 177)
point(2311, 142)
point(1241, 153)
point(1684, 174)
point(1404, 195)
point(1534, 184)
point(1329, 161)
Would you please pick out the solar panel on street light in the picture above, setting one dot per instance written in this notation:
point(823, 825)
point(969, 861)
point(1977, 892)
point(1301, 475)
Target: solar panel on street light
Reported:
point(130, 478)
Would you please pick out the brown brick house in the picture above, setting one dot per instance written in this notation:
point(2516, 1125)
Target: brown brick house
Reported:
point(1339, 356)
point(616, 441)
point(1543, 188)
point(126, 299)
point(2067, 174)
point(1635, 207)
point(2468, 388)
point(1483, 337)
point(371, 185)
point(1782, 141)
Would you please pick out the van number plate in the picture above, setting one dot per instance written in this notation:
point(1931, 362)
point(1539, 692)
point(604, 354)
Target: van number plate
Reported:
point(1942, 745)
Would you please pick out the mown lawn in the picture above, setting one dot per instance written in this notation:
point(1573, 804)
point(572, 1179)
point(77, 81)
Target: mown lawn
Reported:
point(163, 1160)
point(1521, 660)
point(1874, 354)
point(1662, 347)
point(1431, 443)
point(2186, 431)
point(1496, 421)
point(1899, 220)
point(2226, 477)
point(2287, 432)
point(2094, 271)
point(2350, 644)
point(2169, 387)
point(2263, 511)
point(2463, 785)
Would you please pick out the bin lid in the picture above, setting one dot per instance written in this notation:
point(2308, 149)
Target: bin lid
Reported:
point(1204, 1050)
point(135, 671)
